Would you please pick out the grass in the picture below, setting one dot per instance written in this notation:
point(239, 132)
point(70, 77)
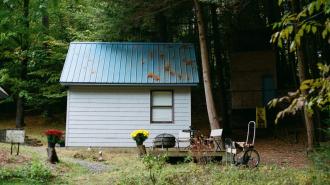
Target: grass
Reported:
point(125, 168)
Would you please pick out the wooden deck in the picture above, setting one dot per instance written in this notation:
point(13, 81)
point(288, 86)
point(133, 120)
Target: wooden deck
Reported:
point(174, 152)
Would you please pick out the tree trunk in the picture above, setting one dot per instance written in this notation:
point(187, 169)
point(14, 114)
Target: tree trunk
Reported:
point(25, 46)
point(45, 17)
point(141, 150)
point(219, 69)
point(212, 114)
point(307, 116)
point(19, 112)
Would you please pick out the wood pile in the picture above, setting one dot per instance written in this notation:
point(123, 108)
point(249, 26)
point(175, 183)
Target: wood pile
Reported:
point(32, 141)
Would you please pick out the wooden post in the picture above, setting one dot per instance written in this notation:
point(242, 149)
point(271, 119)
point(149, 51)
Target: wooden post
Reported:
point(52, 156)
point(141, 150)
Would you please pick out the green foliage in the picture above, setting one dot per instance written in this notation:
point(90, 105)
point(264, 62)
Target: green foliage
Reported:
point(215, 174)
point(35, 172)
point(154, 164)
point(321, 156)
point(312, 93)
point(294, 26)
point(42, 46)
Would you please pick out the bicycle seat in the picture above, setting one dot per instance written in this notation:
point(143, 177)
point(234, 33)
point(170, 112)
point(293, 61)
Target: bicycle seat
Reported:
point(244, 144)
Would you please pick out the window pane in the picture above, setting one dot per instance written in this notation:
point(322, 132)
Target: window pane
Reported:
point(162, 98)
point(161, 114)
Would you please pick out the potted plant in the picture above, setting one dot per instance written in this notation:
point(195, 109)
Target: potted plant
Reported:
point(140, 136)
point(53, 136)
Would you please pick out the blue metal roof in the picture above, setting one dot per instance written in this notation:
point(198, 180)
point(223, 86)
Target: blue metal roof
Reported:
point(127, 63)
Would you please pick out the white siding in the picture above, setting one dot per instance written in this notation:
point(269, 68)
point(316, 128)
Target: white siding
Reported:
point(105, 116)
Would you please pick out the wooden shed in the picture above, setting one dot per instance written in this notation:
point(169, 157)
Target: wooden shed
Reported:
point(116, 88)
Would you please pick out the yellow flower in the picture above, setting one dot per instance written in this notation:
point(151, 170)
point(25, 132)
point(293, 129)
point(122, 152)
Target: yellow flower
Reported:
point(143, 132)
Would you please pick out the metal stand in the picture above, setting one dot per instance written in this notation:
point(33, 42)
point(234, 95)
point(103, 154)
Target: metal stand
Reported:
point(11, 148)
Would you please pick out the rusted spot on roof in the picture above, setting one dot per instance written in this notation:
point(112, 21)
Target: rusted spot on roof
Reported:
point(167, 67)
point(151, 55)
point(162, 56)
point(153, 76)
point(188, 62)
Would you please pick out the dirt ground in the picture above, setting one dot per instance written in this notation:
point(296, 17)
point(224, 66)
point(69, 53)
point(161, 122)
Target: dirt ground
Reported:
point(11, 160)
point(282, 153)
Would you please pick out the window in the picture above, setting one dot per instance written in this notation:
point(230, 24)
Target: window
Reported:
point(161, 107)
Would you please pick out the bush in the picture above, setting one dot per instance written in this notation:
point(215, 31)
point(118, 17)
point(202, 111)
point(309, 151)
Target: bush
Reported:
point(33, 172)
point(321, 158)
point(194, 174)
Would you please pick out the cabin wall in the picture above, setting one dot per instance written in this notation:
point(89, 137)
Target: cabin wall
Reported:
point(105, 116)
point(253, 79)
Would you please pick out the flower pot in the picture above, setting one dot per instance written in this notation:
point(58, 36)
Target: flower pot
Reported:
point(141, 150)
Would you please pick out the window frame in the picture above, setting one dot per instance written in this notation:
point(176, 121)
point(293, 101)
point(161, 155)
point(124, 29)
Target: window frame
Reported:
point(161, 106)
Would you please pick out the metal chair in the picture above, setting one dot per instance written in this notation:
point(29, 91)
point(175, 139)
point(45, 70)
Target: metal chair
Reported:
point(184, 137)
point(215, 137)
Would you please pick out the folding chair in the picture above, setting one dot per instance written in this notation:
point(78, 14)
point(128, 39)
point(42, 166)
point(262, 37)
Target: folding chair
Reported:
point(184, 137)
point(215, 136)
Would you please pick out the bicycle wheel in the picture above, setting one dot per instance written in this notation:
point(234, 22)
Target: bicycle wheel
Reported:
point(251, 158)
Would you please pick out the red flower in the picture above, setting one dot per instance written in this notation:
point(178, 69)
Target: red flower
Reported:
point(54, 132)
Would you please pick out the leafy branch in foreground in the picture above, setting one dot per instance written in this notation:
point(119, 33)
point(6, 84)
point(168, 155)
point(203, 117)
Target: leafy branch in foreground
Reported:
point(312, 19)
point(317, 95)
point(154, 164)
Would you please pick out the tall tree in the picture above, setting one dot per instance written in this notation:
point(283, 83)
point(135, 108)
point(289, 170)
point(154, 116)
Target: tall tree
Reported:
point(212, 113)
point(221, 91)
point(20, 102)
point(296, 26)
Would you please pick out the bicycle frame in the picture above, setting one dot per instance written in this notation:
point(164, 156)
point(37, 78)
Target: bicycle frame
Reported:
point(248, 133)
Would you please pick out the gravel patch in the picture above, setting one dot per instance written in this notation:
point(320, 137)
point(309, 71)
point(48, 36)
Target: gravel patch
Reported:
point(94, 167)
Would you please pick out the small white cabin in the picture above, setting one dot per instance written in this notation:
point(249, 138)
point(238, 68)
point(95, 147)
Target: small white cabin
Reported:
point(116, 88)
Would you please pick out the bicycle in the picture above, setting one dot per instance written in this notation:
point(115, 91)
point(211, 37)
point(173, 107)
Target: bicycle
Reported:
point(244, 153)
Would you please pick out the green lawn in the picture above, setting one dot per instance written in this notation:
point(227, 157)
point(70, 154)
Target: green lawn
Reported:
point(124, 167)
